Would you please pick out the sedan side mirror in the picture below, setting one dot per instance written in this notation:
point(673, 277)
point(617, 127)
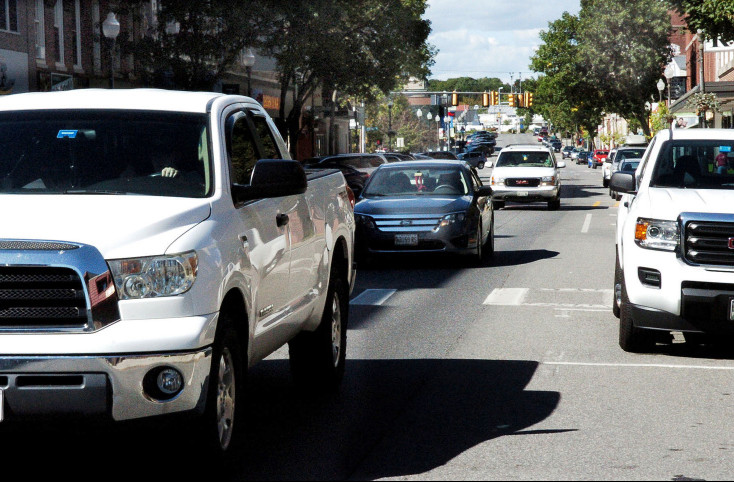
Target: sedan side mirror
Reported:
point(623, 182)
point(561, 165)
point(489, 164)
point(272, 178)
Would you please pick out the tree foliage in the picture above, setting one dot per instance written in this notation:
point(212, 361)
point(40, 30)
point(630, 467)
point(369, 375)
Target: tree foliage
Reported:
point(714, 17)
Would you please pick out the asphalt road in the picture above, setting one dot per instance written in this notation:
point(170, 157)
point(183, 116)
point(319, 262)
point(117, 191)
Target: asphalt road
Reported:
point(506, 371)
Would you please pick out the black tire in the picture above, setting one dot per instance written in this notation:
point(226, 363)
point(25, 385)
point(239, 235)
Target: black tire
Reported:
point(498, 205)
point(617, 293)
point(554, 205)
point(489, 246)
point(631, 338)
point(219, 429)
point(605, 182)
point(317, 361)
point(480, 166)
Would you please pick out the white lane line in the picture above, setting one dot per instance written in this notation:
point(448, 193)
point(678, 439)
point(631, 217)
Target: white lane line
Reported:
point(507, 296)
point(372, 297)
point(587, 224)
point(639, 365)
point(576, 290)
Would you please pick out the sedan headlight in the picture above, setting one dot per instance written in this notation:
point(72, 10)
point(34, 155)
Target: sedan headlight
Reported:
point(451, 219)
point(656, 234)
point(156, 276)
point(365, 221)
point(548, 181)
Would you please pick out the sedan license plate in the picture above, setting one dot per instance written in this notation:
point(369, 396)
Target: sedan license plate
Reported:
point(523, 194)
point(406, 240)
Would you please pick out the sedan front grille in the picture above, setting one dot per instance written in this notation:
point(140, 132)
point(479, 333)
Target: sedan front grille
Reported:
point(41, 297)
point(407, 223)
point(709, 243)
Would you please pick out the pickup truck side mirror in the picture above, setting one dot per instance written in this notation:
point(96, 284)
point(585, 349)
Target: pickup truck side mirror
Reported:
point(623, 182)
point(483, 191)
point(272, 178)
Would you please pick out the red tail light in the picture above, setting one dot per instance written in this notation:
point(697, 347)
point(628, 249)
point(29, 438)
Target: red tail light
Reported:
point(352, 198)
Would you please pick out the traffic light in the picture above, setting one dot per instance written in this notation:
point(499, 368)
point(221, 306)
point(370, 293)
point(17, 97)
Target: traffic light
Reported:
point(520, 100)
point(454, 99)
point(529, 99)
point(485, 99)
point(512, 100)
point(495, 100)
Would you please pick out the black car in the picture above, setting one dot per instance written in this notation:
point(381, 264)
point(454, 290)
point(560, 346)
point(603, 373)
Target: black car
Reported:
point(425, 207)
point(443, 155)
point(556, 144)
point(476, 159)
point(397, 156)
point(362, 162)
point(355, 178)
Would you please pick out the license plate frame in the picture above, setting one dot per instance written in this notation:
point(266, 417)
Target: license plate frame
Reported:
point(523, 194)
point(406, 240)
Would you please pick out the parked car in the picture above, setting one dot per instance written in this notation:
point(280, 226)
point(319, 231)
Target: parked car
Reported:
point(146, 289)
point(527, 174)
point(583, 158)
point(566, 152)
point(476, 159)
point(397, 156)
point(629, 166)
point(425, 207)
point(598, 156)
point(617, 156)
point(674, 241)
point(556, 144)
point(366, 163)
point(355, 178)
point(444, 155)
point(575, 154)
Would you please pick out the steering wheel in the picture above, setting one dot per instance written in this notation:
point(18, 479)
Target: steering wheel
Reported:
point(446, 187)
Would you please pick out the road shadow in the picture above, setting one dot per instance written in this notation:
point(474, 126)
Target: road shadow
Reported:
point(392, 418)
point(517, 258)
point(708, 347)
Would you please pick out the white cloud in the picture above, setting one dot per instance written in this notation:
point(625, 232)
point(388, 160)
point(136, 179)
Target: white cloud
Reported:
point(489, 38)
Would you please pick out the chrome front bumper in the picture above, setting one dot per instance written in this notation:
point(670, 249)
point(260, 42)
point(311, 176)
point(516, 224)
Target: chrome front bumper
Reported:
point(530, 194)
point(105, 386)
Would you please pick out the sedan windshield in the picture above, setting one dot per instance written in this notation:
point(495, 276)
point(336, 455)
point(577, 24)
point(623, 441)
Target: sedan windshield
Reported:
point(695, 165)
point(525, 159)
point(418, 181)
point(105, 152)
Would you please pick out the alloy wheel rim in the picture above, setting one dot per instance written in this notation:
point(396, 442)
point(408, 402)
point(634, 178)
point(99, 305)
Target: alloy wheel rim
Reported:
point(225, 399)
point(336, 330)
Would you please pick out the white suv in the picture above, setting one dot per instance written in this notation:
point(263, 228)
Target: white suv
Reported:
point(675, 239)
point(526, 173)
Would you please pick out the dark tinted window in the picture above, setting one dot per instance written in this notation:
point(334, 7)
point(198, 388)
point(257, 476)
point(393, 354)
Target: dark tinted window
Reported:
point(242, 149)
point(270, 148)
point(695, 165)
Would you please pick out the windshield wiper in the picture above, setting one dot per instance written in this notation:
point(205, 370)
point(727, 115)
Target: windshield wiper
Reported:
point(93, 191)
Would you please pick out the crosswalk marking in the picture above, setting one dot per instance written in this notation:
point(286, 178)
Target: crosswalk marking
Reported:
point(507, 296)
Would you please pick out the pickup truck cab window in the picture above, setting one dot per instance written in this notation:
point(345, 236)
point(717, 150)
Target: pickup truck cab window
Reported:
point(105, 152)
point(269, 149)
point(698, 164)
point(241, 147)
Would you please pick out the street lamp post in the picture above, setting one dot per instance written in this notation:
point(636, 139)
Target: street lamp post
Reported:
point(248, 60)
point(661, 88)
point(111, 29)
point(438, 133)
point(389, 124)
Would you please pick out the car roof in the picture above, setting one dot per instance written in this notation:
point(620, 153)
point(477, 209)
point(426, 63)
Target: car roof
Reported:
point(525, 147)
point(424, 162)
point(696, 134)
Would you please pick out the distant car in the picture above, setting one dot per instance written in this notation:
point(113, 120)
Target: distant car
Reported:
point(355, 178)
point(475, 159)
point(365, 163)
point(616, 157)
point(397, 156)
point(556, 144)
point(425, 207)
point(566, 152)
point(575, 154)
point(630, 166)
point(583, 158)
point(598, 156)
point(444, 155)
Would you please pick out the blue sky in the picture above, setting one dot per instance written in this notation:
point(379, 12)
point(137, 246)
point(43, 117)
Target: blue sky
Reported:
point(489, 38)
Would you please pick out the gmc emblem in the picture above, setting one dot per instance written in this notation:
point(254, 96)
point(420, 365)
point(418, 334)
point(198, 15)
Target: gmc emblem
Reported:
point(731, 243)
point(522, 181)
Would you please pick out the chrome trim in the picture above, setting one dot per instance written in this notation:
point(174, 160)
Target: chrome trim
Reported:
point(88, 263)
point(125, 374)
point(407, 223)
point(686, 218)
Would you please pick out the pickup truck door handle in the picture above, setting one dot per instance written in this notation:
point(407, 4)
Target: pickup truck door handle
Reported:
point(282, 220)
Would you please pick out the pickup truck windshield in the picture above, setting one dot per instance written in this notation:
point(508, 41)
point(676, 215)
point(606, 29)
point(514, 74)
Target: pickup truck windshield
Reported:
point(105, 152)
point(695, 165)
point(525, 159)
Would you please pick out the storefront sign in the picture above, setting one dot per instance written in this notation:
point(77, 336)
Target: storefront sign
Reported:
point(271, 102)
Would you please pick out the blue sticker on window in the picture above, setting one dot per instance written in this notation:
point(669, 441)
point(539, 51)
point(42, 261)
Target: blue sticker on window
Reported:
point(725, 149)
point(67, 134)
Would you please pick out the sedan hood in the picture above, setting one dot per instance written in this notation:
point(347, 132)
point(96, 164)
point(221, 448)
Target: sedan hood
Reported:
point(668, 204)
point(523, 172)
point(412, 205)
point(118, 226)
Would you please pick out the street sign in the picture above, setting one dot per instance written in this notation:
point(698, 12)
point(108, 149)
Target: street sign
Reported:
point(400, 142)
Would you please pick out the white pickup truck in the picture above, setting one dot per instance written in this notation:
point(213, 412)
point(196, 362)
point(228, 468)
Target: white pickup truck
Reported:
point(675, 239)
point(156, 244)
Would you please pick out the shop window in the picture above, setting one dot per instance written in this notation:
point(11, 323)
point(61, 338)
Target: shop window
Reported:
point(9, 15)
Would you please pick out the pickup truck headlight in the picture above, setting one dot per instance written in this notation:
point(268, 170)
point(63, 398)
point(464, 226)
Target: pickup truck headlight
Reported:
point(155, 276)
point(656, 234)
point(548, 181)
point(497, 181)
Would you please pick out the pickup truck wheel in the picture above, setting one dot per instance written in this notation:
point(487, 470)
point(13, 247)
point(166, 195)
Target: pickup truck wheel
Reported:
point(631, 338)
point(554, 205)
point(318, 359)
point(498, 205)
point(217, 428)
point(617, 301)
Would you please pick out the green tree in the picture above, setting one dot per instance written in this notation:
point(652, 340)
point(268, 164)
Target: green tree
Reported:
point(714, 17)
point(206, 41)
point(418, 134)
